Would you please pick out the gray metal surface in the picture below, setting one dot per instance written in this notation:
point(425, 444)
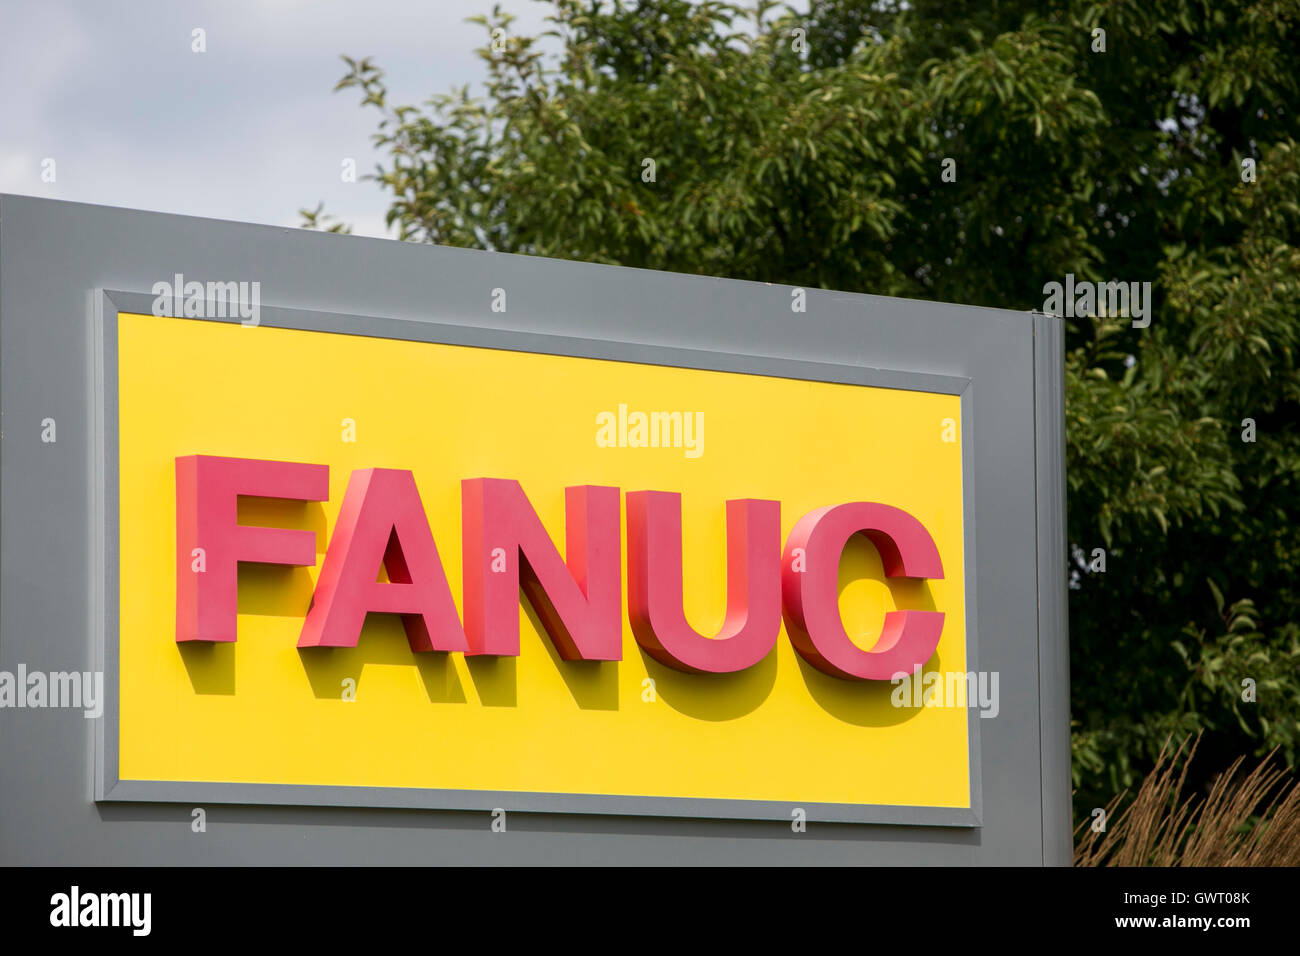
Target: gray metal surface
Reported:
point(55, 258)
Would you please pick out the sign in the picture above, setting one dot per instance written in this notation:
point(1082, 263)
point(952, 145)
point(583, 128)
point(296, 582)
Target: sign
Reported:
point(414, 565)
point(399, 554)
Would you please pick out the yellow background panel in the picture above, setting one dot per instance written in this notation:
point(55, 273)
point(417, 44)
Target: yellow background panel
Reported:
point(260, 711)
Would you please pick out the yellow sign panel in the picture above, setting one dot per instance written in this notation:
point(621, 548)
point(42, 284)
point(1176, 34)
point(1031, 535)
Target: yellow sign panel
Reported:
point(259, 710)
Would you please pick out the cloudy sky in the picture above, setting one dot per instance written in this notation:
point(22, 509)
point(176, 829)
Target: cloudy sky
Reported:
point(248, 130)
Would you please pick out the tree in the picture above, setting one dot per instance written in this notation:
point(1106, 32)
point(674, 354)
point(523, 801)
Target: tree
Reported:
point(1140, 140)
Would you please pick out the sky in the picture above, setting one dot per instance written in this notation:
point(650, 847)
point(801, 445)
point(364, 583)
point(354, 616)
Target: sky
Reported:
point(248, 130)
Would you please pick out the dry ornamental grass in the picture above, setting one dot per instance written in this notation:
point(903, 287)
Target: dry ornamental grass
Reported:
point(1235, 825)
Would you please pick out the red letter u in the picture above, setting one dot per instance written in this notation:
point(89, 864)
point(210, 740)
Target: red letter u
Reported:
point(654, 584)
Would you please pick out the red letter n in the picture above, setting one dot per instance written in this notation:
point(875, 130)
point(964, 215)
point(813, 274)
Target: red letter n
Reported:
point(506, 547)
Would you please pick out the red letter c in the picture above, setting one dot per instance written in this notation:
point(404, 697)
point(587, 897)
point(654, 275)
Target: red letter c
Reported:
point(812, 614)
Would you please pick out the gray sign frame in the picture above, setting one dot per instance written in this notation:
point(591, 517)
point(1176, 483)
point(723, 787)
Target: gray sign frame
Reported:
point(109, 786)
point(63, 271)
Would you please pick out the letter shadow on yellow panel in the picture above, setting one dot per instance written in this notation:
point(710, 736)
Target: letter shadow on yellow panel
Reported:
point(382, 641)
point(593, 684)
point(864, 703)
point(713, 696)
point(210, 666)
point(285, 513)
point(275, 590)
point(496, 680)
point(270, 589)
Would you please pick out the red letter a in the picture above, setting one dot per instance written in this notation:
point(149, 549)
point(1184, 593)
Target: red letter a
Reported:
point(382, 520)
